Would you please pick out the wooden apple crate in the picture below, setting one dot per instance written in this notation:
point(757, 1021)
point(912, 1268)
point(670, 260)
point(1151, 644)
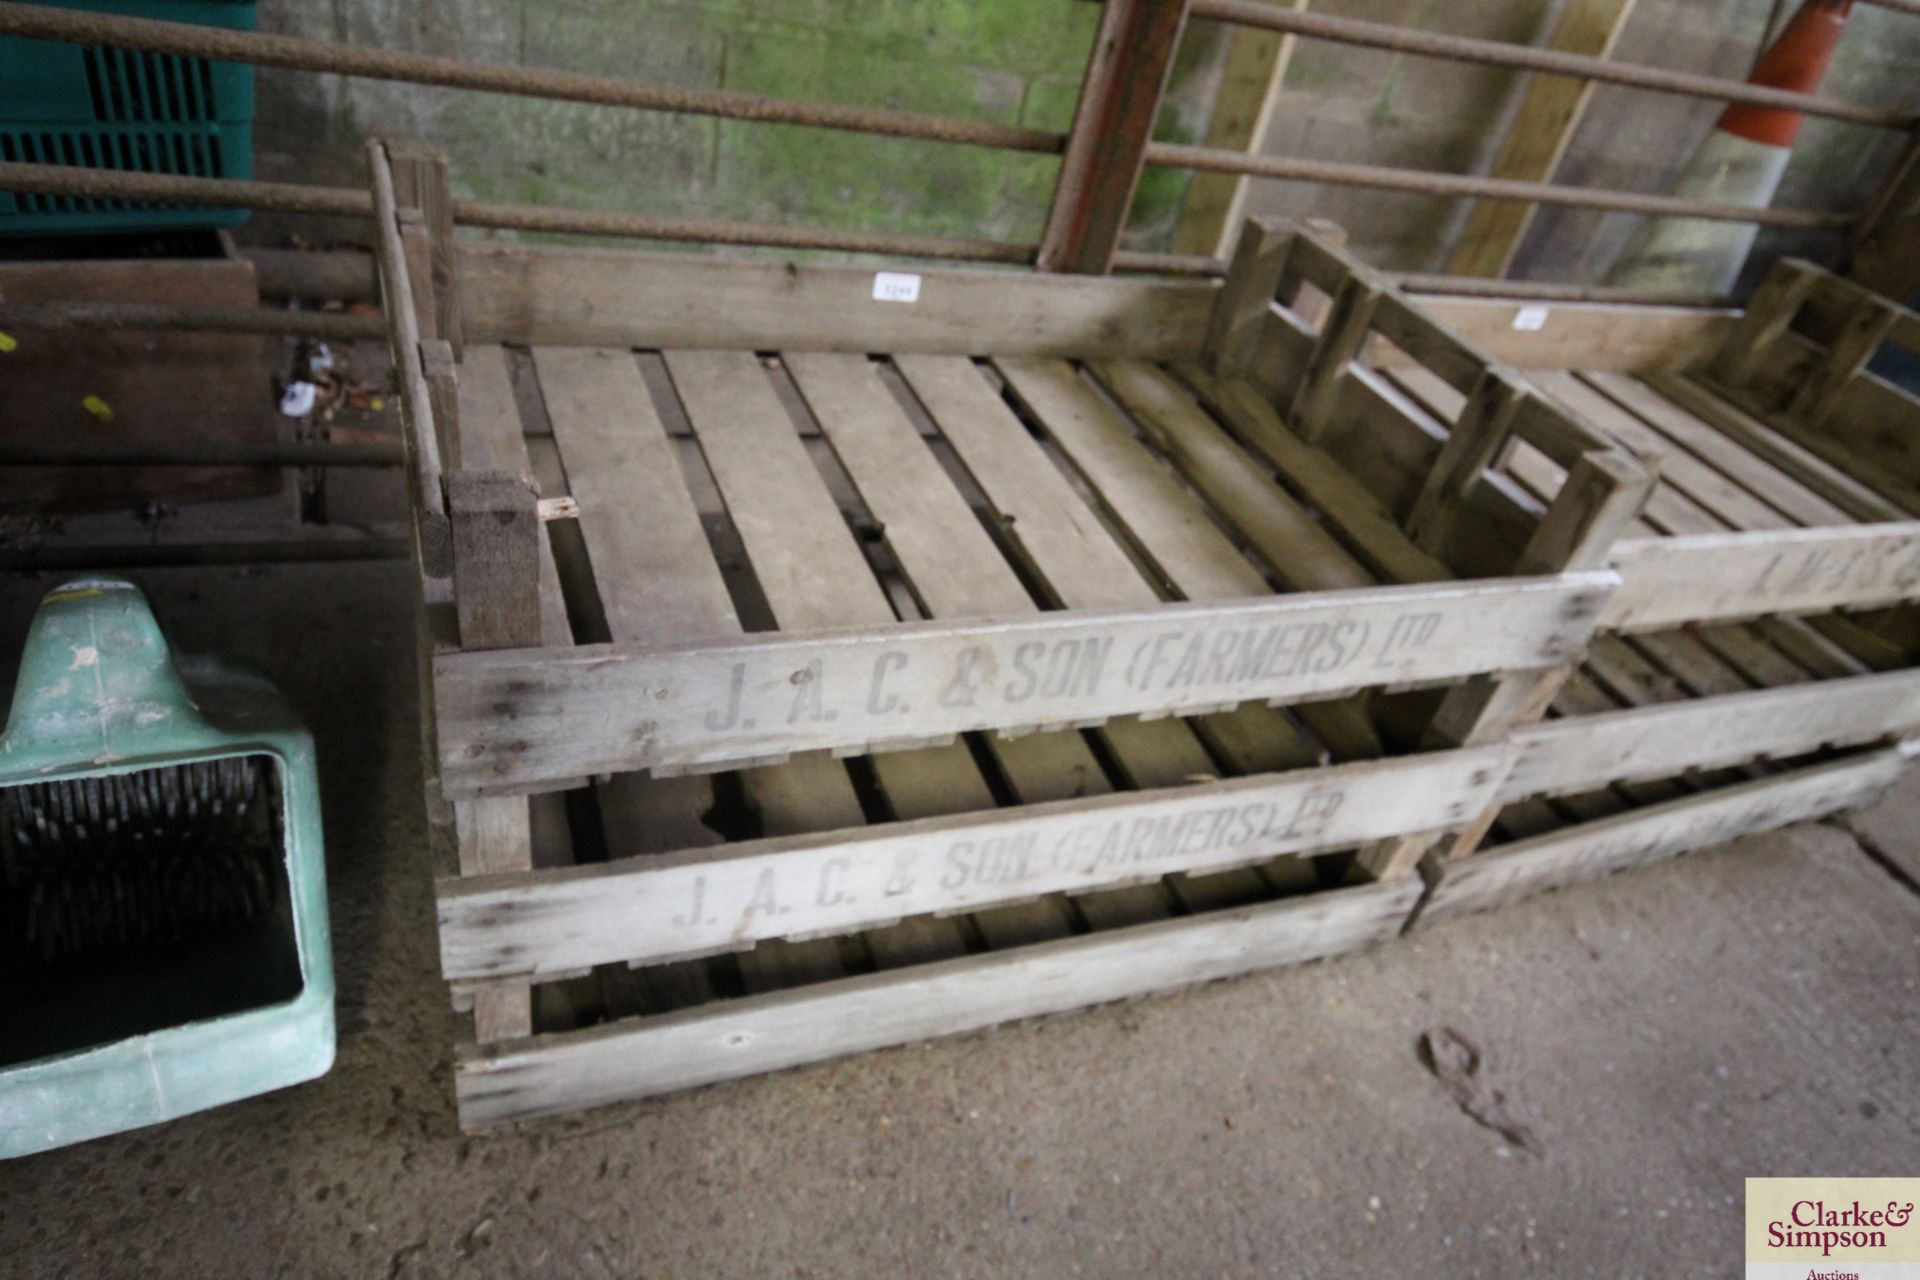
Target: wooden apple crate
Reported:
point(913, 651)
point(920, 662)
point(1753, 669)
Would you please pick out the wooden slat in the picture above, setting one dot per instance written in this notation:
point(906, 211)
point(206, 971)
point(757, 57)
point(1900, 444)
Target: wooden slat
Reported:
point(494, 836)
point(1766, 482)
point(1341, 499)
point(622, 298)
point(954, 570)
point(1175, 532)
point(1659, 741)
point(1727, 576)
point(1285, 533)
point(1065, 548)
point(1173, 529)
point(811, 573)
point(1538, 136)
point(1802, 464)
point(656, 572)
point(527, 925)
point(1632, 839)
point(656, 580)
point(491, 439)
point(509, 721)
point(1040, 516)
point(1678, 468)
point(639, 1058)
point(1076, 561)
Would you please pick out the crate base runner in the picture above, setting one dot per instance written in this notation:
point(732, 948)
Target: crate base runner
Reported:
point(638, 1058)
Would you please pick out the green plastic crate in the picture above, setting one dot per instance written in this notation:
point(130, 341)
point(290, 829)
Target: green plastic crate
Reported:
point(107, 108)
point(169, 1017)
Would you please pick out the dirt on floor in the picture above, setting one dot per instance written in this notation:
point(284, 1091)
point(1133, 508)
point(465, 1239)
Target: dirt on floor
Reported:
point(1652, 1040)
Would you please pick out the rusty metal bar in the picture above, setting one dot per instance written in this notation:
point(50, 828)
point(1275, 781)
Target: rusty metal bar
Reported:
point(1424, 182)
point(289, 550)
point(167, 188)
point(1552, 291)
point(1120, 96)
point(1435, 44)
point(330, 326)
point(533, 217)
point(301, 54)
point(281, 197)
point(195, 453)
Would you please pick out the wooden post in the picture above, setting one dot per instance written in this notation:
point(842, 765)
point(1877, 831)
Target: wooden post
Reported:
point(1119, 98)
point(443, 393)
point(1246, 296)
point(1482, 429)
point(421, 181)
point(1537, 139)
point(1602, 495)
point(496, 592)
point(1342, 335)
point(1855, 343)
point(1771, 309)
point(1250, 82)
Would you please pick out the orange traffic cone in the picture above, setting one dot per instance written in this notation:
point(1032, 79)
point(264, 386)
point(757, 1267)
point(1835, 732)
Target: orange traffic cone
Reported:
point(1739, 163)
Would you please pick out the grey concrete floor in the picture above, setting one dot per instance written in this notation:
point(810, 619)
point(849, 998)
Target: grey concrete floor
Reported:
point(1666, 1033)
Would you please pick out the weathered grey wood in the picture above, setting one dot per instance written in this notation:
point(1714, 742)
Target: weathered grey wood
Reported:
point(1171, 528)
point(664, 907)
point(643, 1057)
point(1342, 499)
point(1039, 515)
point(810, 572)
point(491, 440)
point(1246, 295)
point(495, 526)
point(1720, 577)
point(1603, 494)
point(1166, 523)
point(427, 498)
point(1285, 533)
point(421, 181)
point(634, 509)
point(1341, 336)
point(954, 569)
point(1632, 839)
point(1075, 560)
point(1582, 752)
point(510, 721)
point(1766, 482)
point(1857, 342)
point(930, 528)
point(1765, 442)
point(615, 297)
point(1769, 312)
point(494, 836)
point(1479, 434)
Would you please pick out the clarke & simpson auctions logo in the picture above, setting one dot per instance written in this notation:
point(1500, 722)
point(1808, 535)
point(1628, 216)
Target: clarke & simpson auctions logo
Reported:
point(1832, 1229)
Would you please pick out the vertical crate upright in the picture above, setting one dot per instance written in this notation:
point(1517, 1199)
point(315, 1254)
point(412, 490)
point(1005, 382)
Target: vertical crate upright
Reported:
point(100, 107)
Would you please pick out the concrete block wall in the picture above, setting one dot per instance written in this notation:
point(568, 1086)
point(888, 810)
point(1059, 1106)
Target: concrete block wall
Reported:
point(1012, 61)
point(1021, 61)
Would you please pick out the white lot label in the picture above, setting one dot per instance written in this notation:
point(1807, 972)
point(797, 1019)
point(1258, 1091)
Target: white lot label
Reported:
point(1530, 319)
point(896, 286)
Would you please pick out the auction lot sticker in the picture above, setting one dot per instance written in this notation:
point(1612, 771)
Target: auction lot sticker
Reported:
point(1833, 1229)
